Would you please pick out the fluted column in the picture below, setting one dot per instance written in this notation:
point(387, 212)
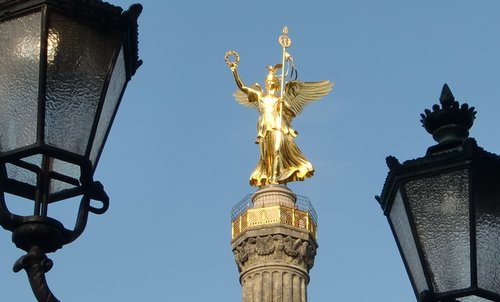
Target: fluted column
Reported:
point(274, 285)
point(274, 259)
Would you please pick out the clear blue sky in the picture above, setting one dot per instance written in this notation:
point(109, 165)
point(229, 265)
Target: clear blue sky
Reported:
point(181, 149)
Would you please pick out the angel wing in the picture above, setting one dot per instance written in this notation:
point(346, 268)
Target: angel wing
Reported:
point(244, 99)
point(298, 94)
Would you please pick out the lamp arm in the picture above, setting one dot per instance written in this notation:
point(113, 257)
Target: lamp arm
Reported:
point(38, 235)
point(36, 264)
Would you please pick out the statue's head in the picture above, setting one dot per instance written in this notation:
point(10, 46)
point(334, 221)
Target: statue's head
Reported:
point(272, 82)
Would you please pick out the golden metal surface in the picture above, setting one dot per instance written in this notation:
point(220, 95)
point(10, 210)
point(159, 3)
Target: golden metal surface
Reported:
point(233, 54)
point(273, 215)
point(281, 161)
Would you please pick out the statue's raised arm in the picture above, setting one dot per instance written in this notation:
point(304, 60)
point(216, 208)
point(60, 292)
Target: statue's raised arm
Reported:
point(247, 96)
point(281, 161)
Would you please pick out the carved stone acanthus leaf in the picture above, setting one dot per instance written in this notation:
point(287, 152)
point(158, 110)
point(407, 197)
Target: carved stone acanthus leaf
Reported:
point(240, 255)
point(292, 248)
point(264, 245)
point(272, 249)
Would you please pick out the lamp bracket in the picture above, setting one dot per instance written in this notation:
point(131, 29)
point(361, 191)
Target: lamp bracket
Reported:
point(36, 264)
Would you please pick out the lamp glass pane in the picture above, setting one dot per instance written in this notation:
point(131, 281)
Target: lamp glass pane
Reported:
point(115, 89)
point(24, 175)
point(78, 60)
point(34, 160)
point(402, 230)
point(488, 234)
point(57, 186)
point(19, 73)
point(440, 209)
point(20, 174)
point(66, 169)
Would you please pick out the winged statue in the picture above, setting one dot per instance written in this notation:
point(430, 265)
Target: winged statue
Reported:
point(281, 160)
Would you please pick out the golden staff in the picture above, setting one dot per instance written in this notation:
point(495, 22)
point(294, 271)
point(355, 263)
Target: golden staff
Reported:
point(285, 42)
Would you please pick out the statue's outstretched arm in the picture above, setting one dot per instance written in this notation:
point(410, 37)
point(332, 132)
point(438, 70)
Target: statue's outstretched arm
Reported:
point(238, 80)
point(248, 95)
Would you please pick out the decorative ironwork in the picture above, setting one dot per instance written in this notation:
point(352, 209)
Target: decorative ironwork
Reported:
point(449, 123)
point(36, 263)
point(242, 206)
point(244, 215)
point(38, 235)
point(303, 203)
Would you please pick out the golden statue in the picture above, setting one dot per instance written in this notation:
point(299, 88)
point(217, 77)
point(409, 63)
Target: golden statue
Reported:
point(281, 161)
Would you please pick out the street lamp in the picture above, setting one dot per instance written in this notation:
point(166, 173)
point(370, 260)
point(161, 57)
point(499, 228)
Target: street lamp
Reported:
point(444, 210)
point(64, 68)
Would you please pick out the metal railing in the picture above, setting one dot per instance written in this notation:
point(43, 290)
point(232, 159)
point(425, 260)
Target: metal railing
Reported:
point(244, 215)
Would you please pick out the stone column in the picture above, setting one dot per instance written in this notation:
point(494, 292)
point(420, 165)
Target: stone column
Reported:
point(274, 258)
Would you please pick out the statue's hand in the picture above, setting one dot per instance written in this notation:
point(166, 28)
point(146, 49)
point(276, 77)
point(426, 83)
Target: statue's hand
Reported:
point(232, 65)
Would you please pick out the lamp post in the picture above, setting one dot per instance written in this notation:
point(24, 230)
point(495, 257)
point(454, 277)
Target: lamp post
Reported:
point(444, 210)
point(65, 66)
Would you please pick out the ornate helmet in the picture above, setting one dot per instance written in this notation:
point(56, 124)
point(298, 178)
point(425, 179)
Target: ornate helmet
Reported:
point(271, 76)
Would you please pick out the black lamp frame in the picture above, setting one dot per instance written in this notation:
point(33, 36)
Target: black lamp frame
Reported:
point(449, 125)
point(39, 234)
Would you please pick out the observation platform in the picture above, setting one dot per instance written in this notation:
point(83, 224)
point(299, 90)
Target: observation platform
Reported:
point(279, 206)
